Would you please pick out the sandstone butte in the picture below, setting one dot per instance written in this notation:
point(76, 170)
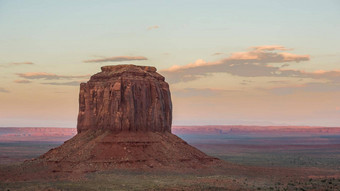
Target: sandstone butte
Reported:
point(125, 98)
point(124, 122)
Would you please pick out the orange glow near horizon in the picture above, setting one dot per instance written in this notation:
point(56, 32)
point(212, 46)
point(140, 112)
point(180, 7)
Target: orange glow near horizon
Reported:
point(226, 63)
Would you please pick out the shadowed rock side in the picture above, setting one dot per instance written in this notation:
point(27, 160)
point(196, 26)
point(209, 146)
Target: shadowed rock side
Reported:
point(125, 98)
point(124, 122)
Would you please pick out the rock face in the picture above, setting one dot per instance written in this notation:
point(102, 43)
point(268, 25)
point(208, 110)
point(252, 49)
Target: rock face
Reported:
point(125, 98)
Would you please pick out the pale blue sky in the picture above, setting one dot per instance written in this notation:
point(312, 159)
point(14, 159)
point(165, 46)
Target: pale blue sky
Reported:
point(57, 36)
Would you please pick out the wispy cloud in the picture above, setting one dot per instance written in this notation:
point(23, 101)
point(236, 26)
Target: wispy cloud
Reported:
point(116, 59)
point(22, 81)
point(278, 82)
point(270, 47)
point(153, 27)
point(71, 83)
point(246, 82)
point(327, 81)
point(204, 92)
point(308, 87)
point(253, 63)
point(21, 63)
point(3, 90)
point(48, 76)
point(217, 53)
point(333, 75)
point(16, 64)
point(266, 54)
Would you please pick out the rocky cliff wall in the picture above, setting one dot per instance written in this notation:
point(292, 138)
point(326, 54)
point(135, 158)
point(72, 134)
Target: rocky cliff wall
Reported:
point(125, 98)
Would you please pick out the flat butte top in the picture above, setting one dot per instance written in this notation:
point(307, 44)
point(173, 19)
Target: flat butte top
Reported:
point(115, 71)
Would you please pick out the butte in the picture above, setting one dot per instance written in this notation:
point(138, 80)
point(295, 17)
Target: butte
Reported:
point(124, 122)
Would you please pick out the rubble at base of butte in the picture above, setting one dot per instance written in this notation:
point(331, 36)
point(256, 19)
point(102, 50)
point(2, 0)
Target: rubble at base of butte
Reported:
point(124, 121)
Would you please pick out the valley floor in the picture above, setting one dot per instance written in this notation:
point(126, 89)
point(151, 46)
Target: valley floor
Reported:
point(251, 163)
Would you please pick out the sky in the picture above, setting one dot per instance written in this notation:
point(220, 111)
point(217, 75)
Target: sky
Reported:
point(240, 62)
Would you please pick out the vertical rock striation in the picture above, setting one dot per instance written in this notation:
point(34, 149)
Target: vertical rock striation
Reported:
point(125, 98)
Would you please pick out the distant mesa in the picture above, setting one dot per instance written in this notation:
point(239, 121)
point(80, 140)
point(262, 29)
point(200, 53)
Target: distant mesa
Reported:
point(124, 121)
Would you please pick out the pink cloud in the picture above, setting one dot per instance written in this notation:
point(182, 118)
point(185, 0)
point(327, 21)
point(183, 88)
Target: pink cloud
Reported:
point(22, 63)
point(269, 47)
point(333, 75)
point(22, 81)
point(48, 76)
point(288, 57)
point(252, 63)
point(258, 63)
point(266, 52)
point(252, 55)
point(16, 64)
point(217, 53)
point(307, 87)
point(197, 63)
point(153, 27)
point(116, 59)
point(3, 90)
point(70, 83)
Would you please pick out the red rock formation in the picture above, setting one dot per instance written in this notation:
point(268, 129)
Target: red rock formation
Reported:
point(124, 122)
point(125, 98)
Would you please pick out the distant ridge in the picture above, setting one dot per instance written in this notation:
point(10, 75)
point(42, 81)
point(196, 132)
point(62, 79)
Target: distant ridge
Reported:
point(10, 134)
point(257, 130)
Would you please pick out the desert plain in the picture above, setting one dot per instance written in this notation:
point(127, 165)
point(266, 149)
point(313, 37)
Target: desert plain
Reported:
point(254, 158)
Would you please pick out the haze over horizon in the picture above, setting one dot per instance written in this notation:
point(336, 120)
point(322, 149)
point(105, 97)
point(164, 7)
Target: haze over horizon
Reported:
point(227, 62)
